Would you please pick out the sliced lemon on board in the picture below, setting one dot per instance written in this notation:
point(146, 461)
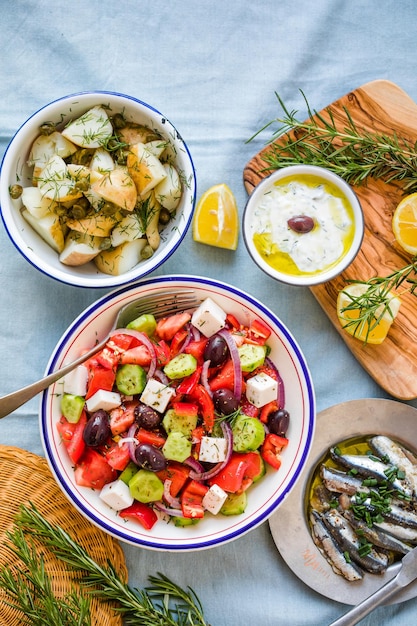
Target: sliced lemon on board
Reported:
point(216, 219)
point(404, 223)
point(376, 334)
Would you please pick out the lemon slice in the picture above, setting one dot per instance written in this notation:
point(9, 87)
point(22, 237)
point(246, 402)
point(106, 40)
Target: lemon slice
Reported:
point(376, 334)
point(216, 220)
point(404, 223)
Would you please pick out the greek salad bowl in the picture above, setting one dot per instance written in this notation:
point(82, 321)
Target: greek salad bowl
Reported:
point(97, 189)
point(198, 445)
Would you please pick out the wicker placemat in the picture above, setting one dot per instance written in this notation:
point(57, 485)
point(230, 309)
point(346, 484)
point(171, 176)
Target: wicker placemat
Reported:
point(25, 478)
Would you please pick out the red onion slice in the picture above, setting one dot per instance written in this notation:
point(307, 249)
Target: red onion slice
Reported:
point(168, 510)
point(227, 432)
point(161, 376)
point(144, 339)
point(281, 388)
point(194, 464)
point(131, 442)
point(204, 377)
point(234, 354)
point(188, 338)
point(173, 502)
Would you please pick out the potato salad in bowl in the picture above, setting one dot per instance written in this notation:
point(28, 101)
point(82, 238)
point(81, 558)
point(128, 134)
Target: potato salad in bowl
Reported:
point(98, 189)
point(185, 431)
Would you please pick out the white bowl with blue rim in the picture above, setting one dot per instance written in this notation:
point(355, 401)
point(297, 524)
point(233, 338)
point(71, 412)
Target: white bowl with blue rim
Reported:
point(15, 170)
point(264, 496)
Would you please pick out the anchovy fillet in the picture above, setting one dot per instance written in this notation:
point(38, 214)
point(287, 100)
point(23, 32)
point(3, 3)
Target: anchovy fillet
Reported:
point(376, 536)
point(340, 482)
point(371, 467)
point(404, 533)
point(375, 562)
point(385, 447)
point(331, 551)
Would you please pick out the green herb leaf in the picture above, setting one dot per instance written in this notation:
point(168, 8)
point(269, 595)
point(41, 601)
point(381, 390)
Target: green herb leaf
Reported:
point(162, 604)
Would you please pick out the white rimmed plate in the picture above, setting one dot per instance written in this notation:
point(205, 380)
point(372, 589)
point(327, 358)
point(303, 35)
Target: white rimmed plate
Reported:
point(289, 526)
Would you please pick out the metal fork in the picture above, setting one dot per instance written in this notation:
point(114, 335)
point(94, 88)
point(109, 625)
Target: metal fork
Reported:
point(160, 305)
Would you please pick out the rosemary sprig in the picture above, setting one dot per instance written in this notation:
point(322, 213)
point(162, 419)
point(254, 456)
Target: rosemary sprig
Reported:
point(355, 154)
point(31, 593)
point(162, 604)
point(372, 304)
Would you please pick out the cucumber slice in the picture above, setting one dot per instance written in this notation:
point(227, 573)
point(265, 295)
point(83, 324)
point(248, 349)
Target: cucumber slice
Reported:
point(177, 447)
point(251, 356)
point(130, 379)
point(262, 469)
point(185, 521)
point(181, 366)
point(72, 406)
point(173, 422)
point(248, 434)
point(145, 323)
point(145, 486)
point(130, 470)
point(235, 504)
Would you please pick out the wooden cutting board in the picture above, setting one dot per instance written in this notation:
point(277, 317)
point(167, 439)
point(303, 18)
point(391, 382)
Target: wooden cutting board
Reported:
point(383, 107)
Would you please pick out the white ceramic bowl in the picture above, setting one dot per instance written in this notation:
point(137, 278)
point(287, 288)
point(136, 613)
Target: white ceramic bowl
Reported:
point(252, 215)
point(14, 169)
point(264, 497)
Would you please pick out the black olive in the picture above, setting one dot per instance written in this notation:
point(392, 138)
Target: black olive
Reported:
point(149, 457)
point(147, 417)
point(97, 430)
point(225, 403)
point(278, 422)
point(216, 351)
point(301, 223)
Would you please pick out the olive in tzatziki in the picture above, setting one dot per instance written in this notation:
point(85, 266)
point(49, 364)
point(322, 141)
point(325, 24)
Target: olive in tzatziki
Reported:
point(302, 225)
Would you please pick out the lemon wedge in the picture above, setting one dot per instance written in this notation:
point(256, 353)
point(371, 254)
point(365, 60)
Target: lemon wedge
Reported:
point(216, 219)
point(404, 223)
point(365, 332)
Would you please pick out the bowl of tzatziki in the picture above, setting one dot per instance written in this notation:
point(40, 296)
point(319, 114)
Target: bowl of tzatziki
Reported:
point(303, 225)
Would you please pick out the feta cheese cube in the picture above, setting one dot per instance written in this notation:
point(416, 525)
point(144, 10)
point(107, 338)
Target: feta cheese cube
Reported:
point(212, 449)
point(261, 389)
point(116, 495)
point(102, 399)
point(214, 499)
point(209, 318)
point(157, 395)
point(75, 382)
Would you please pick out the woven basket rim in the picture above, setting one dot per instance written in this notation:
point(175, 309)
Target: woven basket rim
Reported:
point(25, 478)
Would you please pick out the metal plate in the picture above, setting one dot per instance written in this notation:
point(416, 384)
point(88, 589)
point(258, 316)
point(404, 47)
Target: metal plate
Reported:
point(289, 526)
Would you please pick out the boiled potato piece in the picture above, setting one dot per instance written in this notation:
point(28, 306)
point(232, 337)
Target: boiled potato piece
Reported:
point(120, 260)
point(33, 201)
point(157, 147)
point(45, 146)
point(135, 133)
point(128, 229)
point(48, 227)
point(145, 168)
point(80, 248)
point(102, 161)
point(90, 130)
point(117, 187)
point(168, 191)
point(97, 225)
point(80, 172)
point(55, 182)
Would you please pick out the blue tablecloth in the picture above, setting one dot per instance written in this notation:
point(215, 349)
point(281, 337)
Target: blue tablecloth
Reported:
point(213, 68)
